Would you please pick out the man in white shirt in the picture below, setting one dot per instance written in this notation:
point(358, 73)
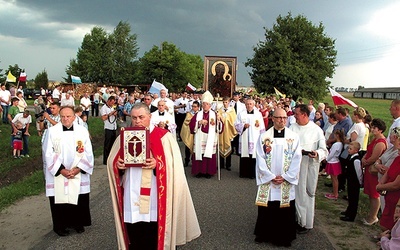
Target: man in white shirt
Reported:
point(182, 105)
point(86, 103)
point(56, 93)
point(109, 117)
point(5, 100)
point(395, 112)
point(67, 99)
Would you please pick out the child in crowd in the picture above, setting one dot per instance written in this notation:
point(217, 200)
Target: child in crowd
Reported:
point(333, 167)
point(354, 181)
point(84, 121)
point(17, 140)
point(78, 114)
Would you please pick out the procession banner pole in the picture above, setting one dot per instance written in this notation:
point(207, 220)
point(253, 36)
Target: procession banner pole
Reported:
point(218, 161)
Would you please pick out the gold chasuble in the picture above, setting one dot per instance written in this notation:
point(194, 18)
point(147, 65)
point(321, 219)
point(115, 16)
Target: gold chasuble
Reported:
point(186, 136)
point(229, 132)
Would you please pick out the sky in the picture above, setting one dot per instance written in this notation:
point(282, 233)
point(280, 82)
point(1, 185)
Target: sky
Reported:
point(45, 35)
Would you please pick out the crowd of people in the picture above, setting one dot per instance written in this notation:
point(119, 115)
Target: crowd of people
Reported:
point(285, 145)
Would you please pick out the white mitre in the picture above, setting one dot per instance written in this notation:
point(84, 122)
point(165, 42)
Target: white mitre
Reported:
point(207, 97)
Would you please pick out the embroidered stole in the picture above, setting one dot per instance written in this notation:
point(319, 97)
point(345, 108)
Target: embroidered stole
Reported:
point(264, 189)
point(208, 152)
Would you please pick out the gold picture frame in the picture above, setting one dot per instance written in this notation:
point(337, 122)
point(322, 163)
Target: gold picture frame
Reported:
point(220, 75)
point(135, 144)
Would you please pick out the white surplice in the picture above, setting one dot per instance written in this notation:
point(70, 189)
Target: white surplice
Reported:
point(272, 159)
point(61, 147)
point(311, 139)
point(248, 137)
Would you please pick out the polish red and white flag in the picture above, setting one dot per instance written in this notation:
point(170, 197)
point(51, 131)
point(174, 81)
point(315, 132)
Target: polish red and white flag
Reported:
point(338, 99)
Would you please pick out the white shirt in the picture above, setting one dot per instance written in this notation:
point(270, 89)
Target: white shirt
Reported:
point(67, 102)
point(5, 96)
point(56, 94)
point(182, 101)
point(24, 120)
point(110, 123)
point(86, 101)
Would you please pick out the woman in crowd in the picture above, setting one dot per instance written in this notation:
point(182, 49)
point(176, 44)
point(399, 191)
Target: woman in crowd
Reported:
point(374, 150)
point(389, 185)
point(22, 103)
point(319, 119)
point(385, 161)
point(391, 238)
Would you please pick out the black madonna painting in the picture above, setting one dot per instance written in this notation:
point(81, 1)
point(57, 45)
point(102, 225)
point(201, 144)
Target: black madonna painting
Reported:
point(220, 75)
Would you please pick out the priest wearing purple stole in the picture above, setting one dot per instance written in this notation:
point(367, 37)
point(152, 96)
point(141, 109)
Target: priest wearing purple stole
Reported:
point(205, 125)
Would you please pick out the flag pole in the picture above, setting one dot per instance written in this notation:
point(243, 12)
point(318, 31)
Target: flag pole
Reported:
point(218, 161)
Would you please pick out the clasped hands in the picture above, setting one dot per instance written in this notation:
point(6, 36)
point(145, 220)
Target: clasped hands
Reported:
point(278, 180)
point(150, 163)
point(70, 173)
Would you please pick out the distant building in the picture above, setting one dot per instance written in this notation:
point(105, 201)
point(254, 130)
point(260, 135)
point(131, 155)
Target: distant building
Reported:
point(345, 89)
point(378, 93)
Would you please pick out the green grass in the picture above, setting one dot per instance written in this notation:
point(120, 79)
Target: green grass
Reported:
point(30, 185)
point(33, 184)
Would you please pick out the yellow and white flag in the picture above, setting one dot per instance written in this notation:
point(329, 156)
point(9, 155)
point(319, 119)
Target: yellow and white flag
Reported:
point(279, 93)
point(10, 77)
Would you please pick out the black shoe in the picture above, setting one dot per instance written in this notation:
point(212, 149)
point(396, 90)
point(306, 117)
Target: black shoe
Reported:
point(208, 176)
point(328, 184)
point(302, 230)
point(62, 232)
point(199, 175)
point(343, 213)
point(228, 168)
point(345, 218)
point(345, 197)
point(258, 240)
point(80, 229)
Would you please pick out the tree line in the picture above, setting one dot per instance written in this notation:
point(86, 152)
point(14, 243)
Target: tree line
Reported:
point(296, 57)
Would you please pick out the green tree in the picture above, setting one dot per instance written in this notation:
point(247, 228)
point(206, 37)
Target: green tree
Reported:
point(170, 66)
point(105, 58)
point(124, 51)
point(296, 57)
point(93, 60)
point(42, 80)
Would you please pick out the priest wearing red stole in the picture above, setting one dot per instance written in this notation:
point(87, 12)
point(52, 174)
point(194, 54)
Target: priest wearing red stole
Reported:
point(205, 125)
point(153, 208)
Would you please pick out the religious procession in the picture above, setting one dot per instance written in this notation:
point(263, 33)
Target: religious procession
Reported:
point(283, 144)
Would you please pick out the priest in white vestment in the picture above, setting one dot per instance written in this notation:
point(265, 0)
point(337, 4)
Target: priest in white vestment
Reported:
point(162, 119)
point(312, 139)
point(277, 174)
point(153, 208)
point(249, 124)
point(205, 125)
point(69, 161)
point(169, 104)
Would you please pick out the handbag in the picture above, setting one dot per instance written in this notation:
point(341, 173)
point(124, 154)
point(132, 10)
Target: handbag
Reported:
point(372, 169)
